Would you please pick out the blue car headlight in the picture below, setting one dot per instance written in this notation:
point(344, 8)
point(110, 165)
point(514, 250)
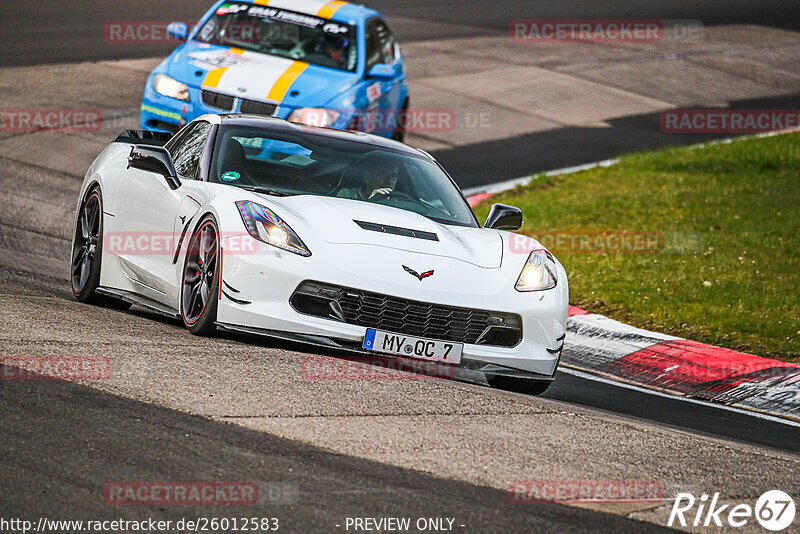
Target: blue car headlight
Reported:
point(539, 272)
point(164, 85)
point(262, 223)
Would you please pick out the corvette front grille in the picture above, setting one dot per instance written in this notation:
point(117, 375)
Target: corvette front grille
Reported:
point(404, 316)
point(258, 108)
point(217, 100)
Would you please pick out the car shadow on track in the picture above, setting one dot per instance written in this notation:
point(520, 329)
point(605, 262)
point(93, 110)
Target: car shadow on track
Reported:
point(73, 440)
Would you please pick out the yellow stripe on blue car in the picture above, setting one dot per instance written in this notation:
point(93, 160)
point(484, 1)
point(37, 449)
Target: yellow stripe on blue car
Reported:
point(329, 9)
point(281, 87)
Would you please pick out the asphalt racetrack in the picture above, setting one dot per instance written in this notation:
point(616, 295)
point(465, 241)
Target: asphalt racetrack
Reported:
point(235, 407)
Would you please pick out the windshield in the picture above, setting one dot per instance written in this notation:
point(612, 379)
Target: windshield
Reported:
point(282, 33)
point(307, 163)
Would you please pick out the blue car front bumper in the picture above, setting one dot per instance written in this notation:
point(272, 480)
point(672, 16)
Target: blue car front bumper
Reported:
point(166, 114)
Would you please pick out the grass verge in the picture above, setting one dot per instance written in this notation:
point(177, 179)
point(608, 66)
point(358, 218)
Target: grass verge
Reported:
point(701, 243)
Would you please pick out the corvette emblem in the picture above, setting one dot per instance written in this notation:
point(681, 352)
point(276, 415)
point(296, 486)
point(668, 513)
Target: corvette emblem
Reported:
point(419, 276)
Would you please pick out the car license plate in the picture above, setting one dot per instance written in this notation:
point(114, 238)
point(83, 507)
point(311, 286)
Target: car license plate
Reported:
point(413, 347)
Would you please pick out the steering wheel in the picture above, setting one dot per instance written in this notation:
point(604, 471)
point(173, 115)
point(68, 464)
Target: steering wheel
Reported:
point(394, 194)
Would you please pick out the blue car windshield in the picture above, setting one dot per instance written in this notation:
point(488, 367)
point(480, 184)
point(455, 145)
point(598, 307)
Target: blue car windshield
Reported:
point(311, 163)
point(282, 33)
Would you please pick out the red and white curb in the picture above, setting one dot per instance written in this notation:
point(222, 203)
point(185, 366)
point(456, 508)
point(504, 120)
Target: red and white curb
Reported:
point(602, 346)
point(657, 362)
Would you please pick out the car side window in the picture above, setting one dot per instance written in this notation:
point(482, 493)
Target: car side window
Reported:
point(386, 43)
point(373, 46)
point(188, 151)
point(381, 44)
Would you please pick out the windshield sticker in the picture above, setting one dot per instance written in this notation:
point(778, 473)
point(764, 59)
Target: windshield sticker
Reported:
point(286, 16)
point(230, 176)
point(225, 9)
point(334, 28)
point(208, 30)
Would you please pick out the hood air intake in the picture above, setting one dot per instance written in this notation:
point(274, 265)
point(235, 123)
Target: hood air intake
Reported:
point(396, 230)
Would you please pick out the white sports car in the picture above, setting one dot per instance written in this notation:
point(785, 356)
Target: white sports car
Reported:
point(342, 239)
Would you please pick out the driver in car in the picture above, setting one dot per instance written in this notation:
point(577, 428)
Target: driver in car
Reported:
point(378, 178)
point(331, 51)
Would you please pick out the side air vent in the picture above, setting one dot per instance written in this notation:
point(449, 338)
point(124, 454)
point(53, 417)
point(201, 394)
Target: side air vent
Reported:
point(396, 230)
point(217, 100)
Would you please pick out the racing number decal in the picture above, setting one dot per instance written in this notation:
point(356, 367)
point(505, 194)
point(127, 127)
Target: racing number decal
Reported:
point(373, 92)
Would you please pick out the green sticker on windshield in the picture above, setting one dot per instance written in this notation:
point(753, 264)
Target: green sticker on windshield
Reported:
point(230, 176)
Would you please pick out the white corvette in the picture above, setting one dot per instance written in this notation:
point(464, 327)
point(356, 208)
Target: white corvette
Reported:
point(341, 239)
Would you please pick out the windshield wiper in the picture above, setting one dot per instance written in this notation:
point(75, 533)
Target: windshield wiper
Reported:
point(267, 191)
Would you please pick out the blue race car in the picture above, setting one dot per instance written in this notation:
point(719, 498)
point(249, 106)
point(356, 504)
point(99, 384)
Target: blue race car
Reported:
point(331, 64)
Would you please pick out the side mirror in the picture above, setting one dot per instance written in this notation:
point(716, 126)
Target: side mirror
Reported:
point(155, 159)
point(381, 71)
point(178, 30)
point(504, 217)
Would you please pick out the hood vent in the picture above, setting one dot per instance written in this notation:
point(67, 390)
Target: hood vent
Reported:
point(396, 230)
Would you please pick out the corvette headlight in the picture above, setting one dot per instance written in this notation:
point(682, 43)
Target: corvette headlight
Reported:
point(164, 85)
point(264, 225)
point(539, 272)
point(314, 116)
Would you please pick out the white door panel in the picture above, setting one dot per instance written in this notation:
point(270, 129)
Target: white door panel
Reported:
point(147, 209)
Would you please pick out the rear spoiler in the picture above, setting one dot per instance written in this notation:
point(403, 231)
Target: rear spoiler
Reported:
point(143, 137)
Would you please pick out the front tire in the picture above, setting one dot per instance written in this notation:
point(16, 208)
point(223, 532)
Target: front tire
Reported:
point(87, 249)
point(399, 133)
point(201, 279)
point(519, 385)
point(87, 254)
